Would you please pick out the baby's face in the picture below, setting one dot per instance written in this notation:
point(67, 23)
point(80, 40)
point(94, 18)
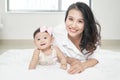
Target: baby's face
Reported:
point(43, 40)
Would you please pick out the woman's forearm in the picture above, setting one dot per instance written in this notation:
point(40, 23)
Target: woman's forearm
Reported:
point(89, 63)
point(72, 61)
point(68, 60)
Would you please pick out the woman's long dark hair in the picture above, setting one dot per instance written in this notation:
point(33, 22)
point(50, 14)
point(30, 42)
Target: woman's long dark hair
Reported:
point(91, 34)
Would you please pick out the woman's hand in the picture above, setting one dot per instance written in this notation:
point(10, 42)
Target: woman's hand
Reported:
point(72, 61)
point(76, 66)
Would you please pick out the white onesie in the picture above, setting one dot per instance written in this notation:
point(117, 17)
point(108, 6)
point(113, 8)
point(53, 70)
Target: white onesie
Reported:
point(48, 59)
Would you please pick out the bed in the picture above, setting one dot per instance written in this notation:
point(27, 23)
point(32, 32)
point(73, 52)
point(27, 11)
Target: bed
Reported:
point(14, 66)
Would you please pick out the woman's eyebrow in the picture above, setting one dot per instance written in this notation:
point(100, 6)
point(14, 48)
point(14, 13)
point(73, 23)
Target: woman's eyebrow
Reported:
point(81, 18)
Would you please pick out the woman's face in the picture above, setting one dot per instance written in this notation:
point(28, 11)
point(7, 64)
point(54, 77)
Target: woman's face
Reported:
point(74, 23)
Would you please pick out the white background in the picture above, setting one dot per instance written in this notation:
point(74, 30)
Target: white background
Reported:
point(22, 25)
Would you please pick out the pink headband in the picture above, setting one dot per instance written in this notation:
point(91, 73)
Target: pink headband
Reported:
point(48, 29)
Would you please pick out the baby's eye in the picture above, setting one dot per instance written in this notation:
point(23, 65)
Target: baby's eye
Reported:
point(38, 39)
point(45, 37)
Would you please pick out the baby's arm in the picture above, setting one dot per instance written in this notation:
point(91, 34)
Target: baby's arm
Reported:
point(61, 58)
point(34, 60)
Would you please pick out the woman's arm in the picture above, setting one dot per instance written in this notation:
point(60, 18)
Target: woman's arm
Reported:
point(72, 61)
point(34, 60)
point(89, 63)
point(77, 66)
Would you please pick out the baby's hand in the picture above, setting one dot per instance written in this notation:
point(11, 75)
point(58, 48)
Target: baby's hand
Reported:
point(64, 66)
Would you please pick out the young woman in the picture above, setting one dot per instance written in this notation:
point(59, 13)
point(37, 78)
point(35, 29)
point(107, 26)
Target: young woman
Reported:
point(79, 38)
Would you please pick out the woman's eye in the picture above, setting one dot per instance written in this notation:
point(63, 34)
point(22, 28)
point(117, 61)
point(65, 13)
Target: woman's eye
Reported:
point(70, 19)
point(80, 21)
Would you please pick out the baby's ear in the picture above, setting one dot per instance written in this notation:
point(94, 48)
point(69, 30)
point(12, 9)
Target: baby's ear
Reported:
point(34, 42)
point(52, 39)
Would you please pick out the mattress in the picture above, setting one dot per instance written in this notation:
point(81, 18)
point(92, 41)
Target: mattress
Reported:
point(14, 66)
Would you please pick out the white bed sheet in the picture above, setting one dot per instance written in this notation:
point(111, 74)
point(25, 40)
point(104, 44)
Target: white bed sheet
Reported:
point(14, 66)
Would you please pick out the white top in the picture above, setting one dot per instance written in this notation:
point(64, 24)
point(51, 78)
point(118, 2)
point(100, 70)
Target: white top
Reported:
point(48, 59)
point(67, 47)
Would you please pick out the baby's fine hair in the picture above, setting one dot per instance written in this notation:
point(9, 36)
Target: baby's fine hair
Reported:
point(36, 31)
point(43, 29)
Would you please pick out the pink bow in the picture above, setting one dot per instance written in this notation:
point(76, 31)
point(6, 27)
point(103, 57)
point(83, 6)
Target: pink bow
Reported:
point(48, 29)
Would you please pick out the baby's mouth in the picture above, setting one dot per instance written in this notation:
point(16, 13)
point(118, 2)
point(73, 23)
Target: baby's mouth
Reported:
point(42, 44)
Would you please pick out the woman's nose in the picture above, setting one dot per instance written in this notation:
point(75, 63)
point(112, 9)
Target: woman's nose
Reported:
point(74, 24)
